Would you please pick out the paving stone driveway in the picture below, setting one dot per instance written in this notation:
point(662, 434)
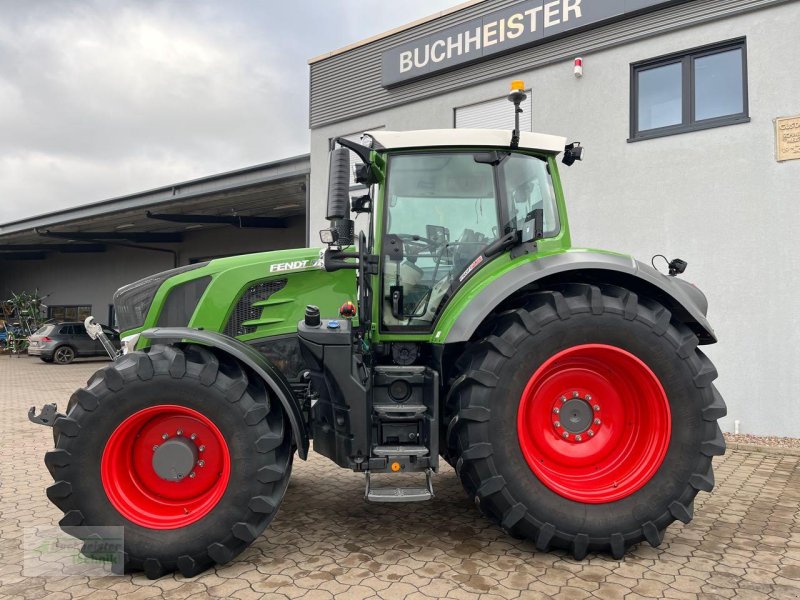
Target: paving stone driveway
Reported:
point(743, 543)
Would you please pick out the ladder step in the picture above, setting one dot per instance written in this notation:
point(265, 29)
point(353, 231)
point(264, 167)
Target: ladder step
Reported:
point(398, 494)
point(392, 494)
point(400, 410)
point(400, 451)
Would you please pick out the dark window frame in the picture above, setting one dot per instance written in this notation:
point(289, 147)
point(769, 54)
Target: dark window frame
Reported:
point(687, 58)
point(51, 309)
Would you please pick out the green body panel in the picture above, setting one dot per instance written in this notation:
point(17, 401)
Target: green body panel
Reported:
point(306, 284)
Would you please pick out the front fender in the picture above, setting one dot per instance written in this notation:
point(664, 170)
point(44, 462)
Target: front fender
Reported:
point(247, 355)
point(675, 293)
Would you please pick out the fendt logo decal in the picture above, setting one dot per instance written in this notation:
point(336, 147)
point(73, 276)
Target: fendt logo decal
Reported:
point(294, 265)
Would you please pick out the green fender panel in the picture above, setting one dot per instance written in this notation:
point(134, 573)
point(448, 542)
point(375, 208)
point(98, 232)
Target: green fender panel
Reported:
point(677, 294)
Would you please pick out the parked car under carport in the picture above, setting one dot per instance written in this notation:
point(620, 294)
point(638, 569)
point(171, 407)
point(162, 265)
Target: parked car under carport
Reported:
point(63, 342)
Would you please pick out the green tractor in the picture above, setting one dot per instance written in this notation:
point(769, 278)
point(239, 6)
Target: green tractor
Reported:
point(565, 386)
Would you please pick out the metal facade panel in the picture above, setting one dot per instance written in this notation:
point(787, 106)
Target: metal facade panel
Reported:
point(494, 114)
point(347, 85)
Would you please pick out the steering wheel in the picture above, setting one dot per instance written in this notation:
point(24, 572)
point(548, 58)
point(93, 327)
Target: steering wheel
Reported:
point(417, 242)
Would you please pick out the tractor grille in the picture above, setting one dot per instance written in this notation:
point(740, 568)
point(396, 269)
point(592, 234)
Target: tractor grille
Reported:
point(244, 309)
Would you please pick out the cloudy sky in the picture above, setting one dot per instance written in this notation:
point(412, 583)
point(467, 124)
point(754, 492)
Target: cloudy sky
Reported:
point(108, 97)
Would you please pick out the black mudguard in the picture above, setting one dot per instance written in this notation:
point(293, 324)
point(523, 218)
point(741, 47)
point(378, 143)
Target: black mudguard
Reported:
point(687, 302)
point(254, 360)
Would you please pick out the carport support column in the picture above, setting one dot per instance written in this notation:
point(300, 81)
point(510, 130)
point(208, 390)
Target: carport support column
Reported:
point(308, 210)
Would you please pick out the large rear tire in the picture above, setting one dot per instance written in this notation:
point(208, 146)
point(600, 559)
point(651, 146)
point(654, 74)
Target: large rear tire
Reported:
point(585, 419)
point(200, 499)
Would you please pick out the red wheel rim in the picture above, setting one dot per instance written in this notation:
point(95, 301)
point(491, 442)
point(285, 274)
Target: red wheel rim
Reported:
point(618, 447)
point(135, 488)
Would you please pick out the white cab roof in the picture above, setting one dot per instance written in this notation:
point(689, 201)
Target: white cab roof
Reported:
point(499, 138)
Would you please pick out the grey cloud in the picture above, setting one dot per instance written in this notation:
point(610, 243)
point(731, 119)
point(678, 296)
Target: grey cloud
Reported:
point(104, 98)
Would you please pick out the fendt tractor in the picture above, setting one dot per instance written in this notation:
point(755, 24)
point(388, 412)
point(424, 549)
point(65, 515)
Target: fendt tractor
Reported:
point(565, 386)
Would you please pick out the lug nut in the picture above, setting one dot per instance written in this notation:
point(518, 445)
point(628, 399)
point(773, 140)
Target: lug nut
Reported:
point(180, 432)
point(556, 411)
point(590, 433)
point(201, 463)
point(588, 397)
point(557, 424)
point(597, 422)
point(155, 447)
point(575, 394)
point(192, 475)
point(596, 408)
point(164, 436)
point(193, 436)
point(578, 438)
point(202, 448)
point(566, 435)
point(563, 398)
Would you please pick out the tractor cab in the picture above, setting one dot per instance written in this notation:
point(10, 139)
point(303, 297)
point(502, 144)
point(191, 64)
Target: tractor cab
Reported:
point(442, 206)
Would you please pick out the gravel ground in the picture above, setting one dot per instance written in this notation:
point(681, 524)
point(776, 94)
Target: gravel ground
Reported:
point(767, 441)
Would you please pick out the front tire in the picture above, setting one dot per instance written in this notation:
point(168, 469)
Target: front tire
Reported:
point(596, 475)
point(125, 456)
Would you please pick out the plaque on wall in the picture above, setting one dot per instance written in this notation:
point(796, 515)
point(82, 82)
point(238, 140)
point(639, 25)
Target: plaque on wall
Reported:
point(787, 137)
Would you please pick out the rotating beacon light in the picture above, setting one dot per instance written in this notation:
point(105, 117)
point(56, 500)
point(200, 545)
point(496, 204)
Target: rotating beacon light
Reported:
point(517, 96)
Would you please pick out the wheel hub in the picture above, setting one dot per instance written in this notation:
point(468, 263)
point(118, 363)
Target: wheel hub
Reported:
point(576, 417)
point(174, 459)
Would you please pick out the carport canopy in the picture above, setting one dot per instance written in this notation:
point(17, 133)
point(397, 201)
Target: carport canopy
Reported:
point(261, 196)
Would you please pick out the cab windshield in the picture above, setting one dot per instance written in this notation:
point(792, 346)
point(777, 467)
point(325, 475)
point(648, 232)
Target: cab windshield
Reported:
point(444, 209)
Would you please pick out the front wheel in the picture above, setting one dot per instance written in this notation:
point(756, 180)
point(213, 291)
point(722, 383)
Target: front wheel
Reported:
point(585, 420)
point(181, 448)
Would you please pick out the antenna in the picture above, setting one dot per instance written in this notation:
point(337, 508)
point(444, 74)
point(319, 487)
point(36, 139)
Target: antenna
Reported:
point(517, 96)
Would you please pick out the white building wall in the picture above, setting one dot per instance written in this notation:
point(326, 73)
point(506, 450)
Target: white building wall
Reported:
point(716, 198)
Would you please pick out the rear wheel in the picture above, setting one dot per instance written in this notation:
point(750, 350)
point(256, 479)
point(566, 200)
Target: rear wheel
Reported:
point(585, 420)
point(178, 446)
point(64, 355)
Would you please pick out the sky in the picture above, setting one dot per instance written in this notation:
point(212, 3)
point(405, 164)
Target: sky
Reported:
point(109, 97)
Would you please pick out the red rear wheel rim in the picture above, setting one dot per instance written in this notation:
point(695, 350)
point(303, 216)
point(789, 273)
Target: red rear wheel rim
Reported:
point(135, 488)
point(594, 423)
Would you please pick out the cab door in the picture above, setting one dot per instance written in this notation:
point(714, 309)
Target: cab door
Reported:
point(441, 212)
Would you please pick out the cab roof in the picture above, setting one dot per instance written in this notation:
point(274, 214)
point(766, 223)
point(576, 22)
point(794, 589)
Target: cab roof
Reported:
point(493, 138)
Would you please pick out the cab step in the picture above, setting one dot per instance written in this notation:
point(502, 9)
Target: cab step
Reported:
point(399, 494)
point(400, 451)
point(405, 411)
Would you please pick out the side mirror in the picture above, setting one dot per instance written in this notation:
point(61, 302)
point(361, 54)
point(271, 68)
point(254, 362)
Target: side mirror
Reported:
point(339, 185)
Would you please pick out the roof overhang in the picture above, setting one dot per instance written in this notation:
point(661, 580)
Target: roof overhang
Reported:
point(471, 138)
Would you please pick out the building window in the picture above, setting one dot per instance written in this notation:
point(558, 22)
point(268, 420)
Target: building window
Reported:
point(69, 313)
point(695, 89)
point(494, 114)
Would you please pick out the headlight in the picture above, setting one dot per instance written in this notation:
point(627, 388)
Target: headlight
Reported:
point(132, 302)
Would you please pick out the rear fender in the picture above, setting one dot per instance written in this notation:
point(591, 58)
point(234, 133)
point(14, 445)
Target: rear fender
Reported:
point(686, 302)
point(250, 357)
